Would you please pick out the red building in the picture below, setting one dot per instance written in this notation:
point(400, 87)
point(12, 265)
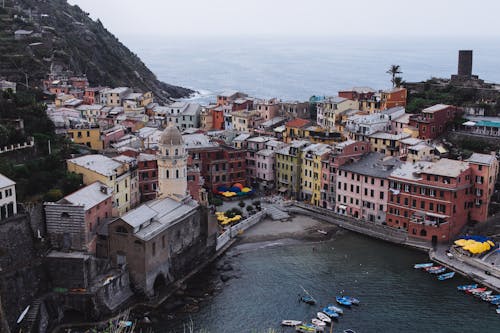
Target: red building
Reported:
point(433, 121)
point(218, 118)
point(358, 94)
point(392, 98)
point(91, 95)
point(220, 165)
point(432, 200)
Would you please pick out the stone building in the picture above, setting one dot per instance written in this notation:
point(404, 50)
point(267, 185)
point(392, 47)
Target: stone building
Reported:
point(72, 222)
point(164, 239)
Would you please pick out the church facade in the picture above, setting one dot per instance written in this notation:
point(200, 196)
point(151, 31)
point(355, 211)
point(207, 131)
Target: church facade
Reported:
point(164, 239)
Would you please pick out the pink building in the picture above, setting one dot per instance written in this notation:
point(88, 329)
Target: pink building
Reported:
point(362, 187)
point(112, 135)
point(268, 109)
point(341, 154)
point(265, 169)
point(254, 145)
point(72, 222)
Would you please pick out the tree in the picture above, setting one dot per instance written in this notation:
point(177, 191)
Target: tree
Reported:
point(241, 204)
point(393, 71)
point(398, 81)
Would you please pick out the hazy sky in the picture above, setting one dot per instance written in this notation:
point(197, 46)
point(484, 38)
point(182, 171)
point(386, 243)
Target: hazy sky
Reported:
point(296, 17)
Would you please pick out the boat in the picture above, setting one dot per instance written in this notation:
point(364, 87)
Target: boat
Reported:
point(306, 328)
point(495, 302)
point(308, 299)
point(23, 314)
point(322, 232)
point(288, 322)
point(438, 271)
point(424, 265)
point(323, 317)
point(467, 287)
point(433, 268)
point(446, 276)
point(343, 301)
point(330, 313)
point(485, 293)
point(318, 323)
point(498, 310)
point(335, 308)
point(470, 291)
point(353, 300)
point(349, 331)
point(489, 298)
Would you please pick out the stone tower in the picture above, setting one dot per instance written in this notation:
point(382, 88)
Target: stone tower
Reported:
point(465, 63)
point(172, 164)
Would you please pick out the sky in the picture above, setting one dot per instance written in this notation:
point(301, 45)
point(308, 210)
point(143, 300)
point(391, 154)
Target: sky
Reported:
point(459, 18)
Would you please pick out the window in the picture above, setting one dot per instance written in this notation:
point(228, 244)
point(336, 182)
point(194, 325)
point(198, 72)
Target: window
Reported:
point(422, 204)
point(382, 195)
point(153, 248)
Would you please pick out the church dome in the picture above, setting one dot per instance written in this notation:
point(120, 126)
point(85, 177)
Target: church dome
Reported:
point(171, 136)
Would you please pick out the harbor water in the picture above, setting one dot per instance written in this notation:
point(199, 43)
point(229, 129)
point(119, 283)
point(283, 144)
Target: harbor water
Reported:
point(394, 296)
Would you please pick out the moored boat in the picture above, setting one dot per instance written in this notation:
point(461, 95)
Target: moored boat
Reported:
point(308, 299)
point(342, 301)
point(424, 265)
point(446, 276)
point(288, 322)
point(438, 271)
point(489, 298)
point(330, 313)
point(483, 294)
point(495, 302)
point(335, 308)
point(306, 328)
point(467, 287)
point(318, 323)
point(470, 291)
point(353, 300)
point(433, 268)
point(498, 310)
point(349, 331)
point(323, 317)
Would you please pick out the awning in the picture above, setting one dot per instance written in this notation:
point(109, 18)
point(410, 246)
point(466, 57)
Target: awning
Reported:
point(436, 215)
point(283, 189)
point(469, 123)
point(441, 149)
point(342, 207)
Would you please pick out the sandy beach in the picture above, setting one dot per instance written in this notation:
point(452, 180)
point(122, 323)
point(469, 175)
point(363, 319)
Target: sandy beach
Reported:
point(299, 227)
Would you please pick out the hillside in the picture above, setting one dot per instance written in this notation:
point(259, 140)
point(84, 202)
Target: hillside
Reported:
point(65, 38)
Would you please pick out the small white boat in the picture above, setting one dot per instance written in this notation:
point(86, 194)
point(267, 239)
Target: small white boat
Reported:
point(323, 317)
point(288, 322)
point(322, 232)
point(498, 310)
point(318, 323)
point(23, 314)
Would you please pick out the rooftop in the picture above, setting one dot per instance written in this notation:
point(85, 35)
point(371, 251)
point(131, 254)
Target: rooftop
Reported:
point(4, 181)
point(89, 196)
point(118, 90)
point(266, 152)
point(373, 164)
point(443, 167)
point(98, 163)
point(484, 159)
point(197, 140)
point(298, 123)
point(435, 108)
point(155, 216)
point(389, 136)
point(411, 141)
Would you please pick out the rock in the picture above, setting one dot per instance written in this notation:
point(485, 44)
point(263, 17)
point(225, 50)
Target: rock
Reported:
point(225, 278)
point(226, 268)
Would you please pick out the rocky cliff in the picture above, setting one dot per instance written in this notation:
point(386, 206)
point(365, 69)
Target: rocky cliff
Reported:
point(63, 37)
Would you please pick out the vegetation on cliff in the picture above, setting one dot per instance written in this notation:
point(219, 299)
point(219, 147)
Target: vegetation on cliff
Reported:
point(64, 37)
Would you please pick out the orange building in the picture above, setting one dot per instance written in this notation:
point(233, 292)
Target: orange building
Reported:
point(392, 98)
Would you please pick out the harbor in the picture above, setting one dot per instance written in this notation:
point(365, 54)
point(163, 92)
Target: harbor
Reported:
point(261, 293)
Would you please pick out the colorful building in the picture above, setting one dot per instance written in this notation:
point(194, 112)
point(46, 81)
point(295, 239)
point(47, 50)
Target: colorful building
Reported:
point(288, 168)
point(311, 165)
point(329, 109)
point(8, 202)
point(433, 121)
point(362, 187)
point(393, 98)
point(90, 136)
point(386, 143)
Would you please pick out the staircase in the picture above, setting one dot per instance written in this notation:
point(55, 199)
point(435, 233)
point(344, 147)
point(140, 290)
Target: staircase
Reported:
point(30, 321)
point(276, 214)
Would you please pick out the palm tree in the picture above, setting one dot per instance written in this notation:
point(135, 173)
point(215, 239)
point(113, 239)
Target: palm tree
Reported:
point(398, 81)
point(393, 71)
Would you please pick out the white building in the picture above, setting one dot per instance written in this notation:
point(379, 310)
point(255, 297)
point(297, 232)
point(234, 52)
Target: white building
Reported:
point(8, 203)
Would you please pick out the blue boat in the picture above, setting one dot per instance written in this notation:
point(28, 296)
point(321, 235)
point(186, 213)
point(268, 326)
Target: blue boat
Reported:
point(330, 313)
point(335, 308)
point(351, 299)
point(438, 271)
point(467, 287)
point(446, 276)
point(308, 299)
point(343, 301)
point(495, 302)
point(425, 265)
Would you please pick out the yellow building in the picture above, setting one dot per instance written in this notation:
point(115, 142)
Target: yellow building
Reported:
point(91, 137)
point(329, 110)
point(386, 143)
point(114, 174)
point(311, 172)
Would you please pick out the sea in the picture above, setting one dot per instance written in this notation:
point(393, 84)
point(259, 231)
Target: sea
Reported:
point(267, 279)
point(297, 68)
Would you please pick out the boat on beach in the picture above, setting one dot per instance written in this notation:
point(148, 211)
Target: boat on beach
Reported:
point(467, 287)
point(343, 301)
point(288, 322)
point(335, 308)
point(323, 317)
point(446, 276)
point(424, 265)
